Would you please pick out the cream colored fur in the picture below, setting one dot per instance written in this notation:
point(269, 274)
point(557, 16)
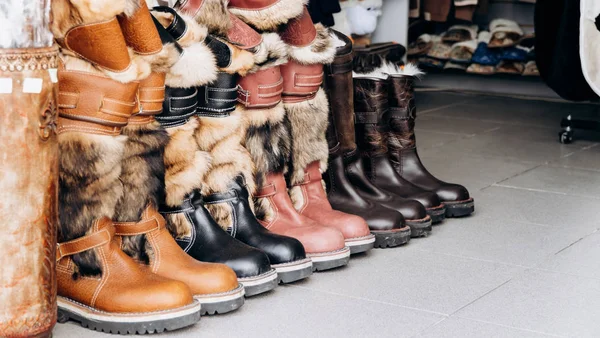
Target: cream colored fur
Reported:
point(270, 18)
point(271, 52)
point(321, 49)
point(196, 67)
point(259, 117)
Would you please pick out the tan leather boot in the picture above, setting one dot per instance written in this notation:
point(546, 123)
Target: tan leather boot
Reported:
point(214, 285)
point(125, 298)
point(324, 246)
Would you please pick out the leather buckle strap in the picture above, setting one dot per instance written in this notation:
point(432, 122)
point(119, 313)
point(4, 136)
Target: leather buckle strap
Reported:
point(190, 7)
point(395, 112)
point(65, 125)
point(180, 104)
point(242, 35)
point(370, 117)
point(177, 28)
point(139, 31)
point(151, 221)
point(93, 42)
point(341, 68)
point(84, 243)
point(266, 191)
point(261, 89)
point(221, 197)
point(151, 95)
point(219, 98)
point(300, 82)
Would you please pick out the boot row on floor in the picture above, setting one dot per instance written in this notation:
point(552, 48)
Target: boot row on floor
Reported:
point(209, 153)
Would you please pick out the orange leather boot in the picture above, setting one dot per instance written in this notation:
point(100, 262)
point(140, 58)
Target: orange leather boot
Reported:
point(324, 245)
point(214, 285)
point(124, 298)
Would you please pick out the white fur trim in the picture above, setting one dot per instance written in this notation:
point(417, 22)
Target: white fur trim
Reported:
point(377, 73)
point(196, 67)
point(505, 25)
point(337, 42)
point(273, 16)
point(589, 48)
point(306, 54)
point(484, 36)
point(471, 45)
point(425, 38)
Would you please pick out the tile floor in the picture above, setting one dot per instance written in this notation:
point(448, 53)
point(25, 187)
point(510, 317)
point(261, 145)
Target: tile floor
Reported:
point(527, 264)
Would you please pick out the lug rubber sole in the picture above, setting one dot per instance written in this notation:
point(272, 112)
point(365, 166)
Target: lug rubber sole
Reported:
point(330, 260)
point(437, 214)
point(218, 303)
point(360, 244)
point(127, 323)
point(256, 285)
point(293, 271)
point(460, 208)
point(392, 238)
point(419, 227)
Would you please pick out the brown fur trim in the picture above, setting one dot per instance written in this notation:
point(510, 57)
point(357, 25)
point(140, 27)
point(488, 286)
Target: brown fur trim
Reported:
point(185, 164)
point(214, 16)
point(89, 188)
point(138, 69)
point(242, 61)
point(162, 61)
point(223, 137)
point(196, 67)
point(307, 123)
point(194, 32)
point(320, 51)
point(142, 178)
point(297, 197)
point(269, 144)
point(270, 18)
point(178, 225)
point(271, 52)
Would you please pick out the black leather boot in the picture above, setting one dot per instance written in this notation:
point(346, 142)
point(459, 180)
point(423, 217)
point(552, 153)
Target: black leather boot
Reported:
point(209, 243)
point(370, 103)
point(286, 254)
point(387, 225)
point(403, 152)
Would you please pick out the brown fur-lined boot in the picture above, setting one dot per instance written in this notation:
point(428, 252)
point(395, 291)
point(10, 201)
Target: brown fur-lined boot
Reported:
point(98, 284)
point(268, 138)
point(142, 229)
point(310, 46)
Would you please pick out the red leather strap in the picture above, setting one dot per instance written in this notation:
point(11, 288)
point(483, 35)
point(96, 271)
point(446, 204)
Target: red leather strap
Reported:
point(86, 243)
point(242, 35)
point(262, 89)
point(300, 82)
point(252, 4)
point(191, 7)
point(266, 191)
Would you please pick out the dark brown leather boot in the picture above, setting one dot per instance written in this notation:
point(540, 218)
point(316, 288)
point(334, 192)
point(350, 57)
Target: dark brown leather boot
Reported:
point(387, 225)
point(403, 152)
point(370, 102)
point(373, 139)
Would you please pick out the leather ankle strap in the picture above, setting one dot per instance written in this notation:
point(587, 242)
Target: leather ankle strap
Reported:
point(366, 117)
point(177, 28)
point(151, 221)
point(84, 243)
point(221, 197)
point(101, 43)
point(219, 98)
point(339, 68)
point(266, 191)
point(300, 82)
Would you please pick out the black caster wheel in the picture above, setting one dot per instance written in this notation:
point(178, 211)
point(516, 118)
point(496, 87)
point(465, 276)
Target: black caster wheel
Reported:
point(565, 137)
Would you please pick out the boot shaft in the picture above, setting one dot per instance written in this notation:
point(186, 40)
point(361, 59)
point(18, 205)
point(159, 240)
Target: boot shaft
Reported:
point(370, 105)
point(400, 119)
point(339, 88)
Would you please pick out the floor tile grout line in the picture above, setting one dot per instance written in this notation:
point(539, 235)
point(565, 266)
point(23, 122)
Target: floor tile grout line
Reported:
point(575, 242)
point(485, 294)
point(474, 259)
point(553, 165)
point(545, 191)
point(369, 300)
point(521, 173)
point(506, 326)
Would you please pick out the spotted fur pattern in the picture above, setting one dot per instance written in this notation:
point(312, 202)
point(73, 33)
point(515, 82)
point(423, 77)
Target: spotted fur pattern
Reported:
point(89, 188)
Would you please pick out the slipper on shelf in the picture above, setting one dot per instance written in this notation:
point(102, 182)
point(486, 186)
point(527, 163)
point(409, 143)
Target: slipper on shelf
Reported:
point(484, 55)
point(450, 65)
point(421, 46)
point(462, 52)
point(475, 68)
point(460, 33)
point(517, 53)
point(505, 33)
point(510, 67)
point(531, 69)
point(439, 50)
point(427, 62)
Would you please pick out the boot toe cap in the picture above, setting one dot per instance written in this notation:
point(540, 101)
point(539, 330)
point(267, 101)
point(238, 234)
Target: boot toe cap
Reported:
point(382, 219)
point(212, 278)
point(427, 199)
point(352, 226)
point(284, 249)
point(156, 294)
point(318, 239)
point(453, 192)
point(412, 210)
point(250, 263)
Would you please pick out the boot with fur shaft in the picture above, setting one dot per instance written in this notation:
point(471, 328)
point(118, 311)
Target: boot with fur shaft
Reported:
point(310, 46)
point(268, 142)
point(370, 104)
point(142, 228)
point(93, 109)
point(402, 145)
